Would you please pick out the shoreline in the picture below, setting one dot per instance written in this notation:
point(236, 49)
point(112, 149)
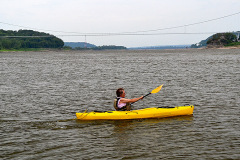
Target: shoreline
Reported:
point(232, 47)
point(134, 50)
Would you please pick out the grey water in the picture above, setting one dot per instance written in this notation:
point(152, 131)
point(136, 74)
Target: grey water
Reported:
point(40, 92)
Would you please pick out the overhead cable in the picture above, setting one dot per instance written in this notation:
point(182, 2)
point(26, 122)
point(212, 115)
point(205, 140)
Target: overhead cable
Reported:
point(126, 33)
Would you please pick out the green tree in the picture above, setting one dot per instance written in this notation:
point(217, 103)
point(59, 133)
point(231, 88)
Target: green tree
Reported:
point(29, 42)
point(222, 39)
point(6, 44)
point(15, 44)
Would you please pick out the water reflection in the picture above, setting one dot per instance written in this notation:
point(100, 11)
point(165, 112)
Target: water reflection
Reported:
point(120, 123)
point(121, 127)
point(143, 136)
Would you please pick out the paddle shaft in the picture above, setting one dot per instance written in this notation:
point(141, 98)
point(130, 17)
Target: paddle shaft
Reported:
point(156, 90)
point(147, 95)
point(143, 96)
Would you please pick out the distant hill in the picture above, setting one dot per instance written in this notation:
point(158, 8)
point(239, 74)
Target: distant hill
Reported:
point(110, 47)
point(83, 46)
point(162, 47)
point(79, 44)
point(203, 43)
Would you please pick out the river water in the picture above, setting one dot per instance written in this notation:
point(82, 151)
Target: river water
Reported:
point(41, 91)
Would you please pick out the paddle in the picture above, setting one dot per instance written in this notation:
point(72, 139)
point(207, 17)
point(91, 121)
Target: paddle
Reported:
point(156, 90)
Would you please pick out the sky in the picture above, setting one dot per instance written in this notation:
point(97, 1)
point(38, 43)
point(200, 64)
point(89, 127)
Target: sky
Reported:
point(89, 20)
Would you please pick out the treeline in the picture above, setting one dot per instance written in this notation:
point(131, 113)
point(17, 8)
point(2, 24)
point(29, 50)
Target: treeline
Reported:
point(28, 39)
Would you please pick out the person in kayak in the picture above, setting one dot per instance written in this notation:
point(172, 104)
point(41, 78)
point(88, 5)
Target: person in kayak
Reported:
point(123, 104)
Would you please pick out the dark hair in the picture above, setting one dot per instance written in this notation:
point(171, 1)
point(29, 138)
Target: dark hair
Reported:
point(119, 92)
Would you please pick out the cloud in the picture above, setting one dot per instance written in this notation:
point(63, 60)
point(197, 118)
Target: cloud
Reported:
point(86, 16)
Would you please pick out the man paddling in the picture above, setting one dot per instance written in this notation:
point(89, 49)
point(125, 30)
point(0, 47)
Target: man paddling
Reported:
point(123, 104)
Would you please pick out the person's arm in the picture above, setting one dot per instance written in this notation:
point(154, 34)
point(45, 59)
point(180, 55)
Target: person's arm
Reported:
point(124, 100)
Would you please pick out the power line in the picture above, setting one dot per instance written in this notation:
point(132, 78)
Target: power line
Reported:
point(24, 36)
point(128, 33)
point(133, 34)
point(186, 25)
point(36, 28)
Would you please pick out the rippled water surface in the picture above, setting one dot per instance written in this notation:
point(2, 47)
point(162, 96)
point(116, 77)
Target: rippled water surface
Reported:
point(41, 91)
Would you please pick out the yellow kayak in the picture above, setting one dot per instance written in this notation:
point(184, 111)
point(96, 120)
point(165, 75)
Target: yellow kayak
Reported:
point(157, 112)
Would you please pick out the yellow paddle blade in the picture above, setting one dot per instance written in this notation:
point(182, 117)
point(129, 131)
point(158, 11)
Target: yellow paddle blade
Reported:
point(156, 90)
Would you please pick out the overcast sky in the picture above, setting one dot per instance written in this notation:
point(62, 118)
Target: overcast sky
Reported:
point(117, 16)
